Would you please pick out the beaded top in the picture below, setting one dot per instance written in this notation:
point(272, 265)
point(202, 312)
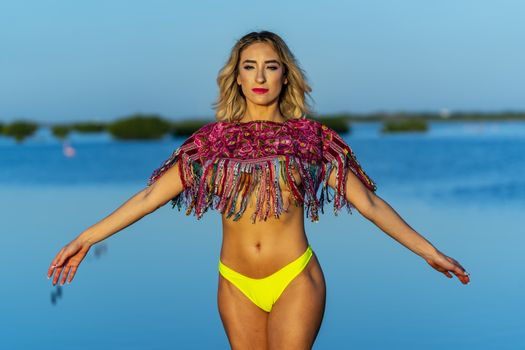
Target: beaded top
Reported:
point(223, 160)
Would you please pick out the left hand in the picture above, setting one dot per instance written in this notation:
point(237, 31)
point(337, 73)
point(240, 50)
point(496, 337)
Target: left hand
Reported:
point(446, 264)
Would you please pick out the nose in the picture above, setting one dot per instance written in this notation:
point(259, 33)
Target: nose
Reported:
point(260, 78)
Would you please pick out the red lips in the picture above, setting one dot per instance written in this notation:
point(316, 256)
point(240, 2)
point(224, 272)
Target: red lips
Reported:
point(260, 90)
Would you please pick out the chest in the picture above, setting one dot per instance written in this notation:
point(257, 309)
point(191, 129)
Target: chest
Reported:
point(268, 185)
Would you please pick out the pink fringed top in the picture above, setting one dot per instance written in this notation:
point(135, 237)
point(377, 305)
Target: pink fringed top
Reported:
point(224, 159)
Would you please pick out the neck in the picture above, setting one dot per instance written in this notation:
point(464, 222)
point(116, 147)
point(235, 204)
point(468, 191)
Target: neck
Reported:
point(259, 112)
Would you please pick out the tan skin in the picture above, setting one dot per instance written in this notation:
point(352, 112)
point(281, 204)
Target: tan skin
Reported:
point(259, 250)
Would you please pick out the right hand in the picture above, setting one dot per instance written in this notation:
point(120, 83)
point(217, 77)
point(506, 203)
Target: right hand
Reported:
point(446, 264)
point(67, 260)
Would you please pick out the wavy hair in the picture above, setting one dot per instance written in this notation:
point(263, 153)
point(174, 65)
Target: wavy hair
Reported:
point(231, 103)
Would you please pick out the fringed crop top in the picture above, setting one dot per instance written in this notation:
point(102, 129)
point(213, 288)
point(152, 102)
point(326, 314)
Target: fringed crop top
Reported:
point(224, 159)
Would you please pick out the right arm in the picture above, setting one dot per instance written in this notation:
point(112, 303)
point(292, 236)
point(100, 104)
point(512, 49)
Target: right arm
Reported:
point(141, 204)
point(135, 208)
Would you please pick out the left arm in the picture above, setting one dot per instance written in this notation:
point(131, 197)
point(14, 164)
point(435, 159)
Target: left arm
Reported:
point(378, 211)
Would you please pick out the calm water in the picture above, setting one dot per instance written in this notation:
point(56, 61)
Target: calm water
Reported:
point(153, 285)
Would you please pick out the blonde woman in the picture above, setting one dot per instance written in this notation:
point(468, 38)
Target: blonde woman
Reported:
point(261, 165)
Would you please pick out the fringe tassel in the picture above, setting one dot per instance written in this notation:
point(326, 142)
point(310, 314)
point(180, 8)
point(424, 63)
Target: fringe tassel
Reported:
point(218, 183)
point(341, 165)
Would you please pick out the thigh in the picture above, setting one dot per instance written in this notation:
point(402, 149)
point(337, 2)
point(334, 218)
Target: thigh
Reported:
point(296, 317)
point(244, 322)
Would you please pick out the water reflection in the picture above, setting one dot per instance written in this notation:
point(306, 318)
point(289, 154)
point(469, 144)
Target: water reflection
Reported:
point(57, 293)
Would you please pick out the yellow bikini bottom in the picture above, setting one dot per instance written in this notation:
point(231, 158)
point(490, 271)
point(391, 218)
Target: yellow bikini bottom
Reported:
point(264, 292)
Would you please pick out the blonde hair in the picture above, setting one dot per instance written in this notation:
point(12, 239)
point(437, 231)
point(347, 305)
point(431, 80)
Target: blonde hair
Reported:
point(231, 104)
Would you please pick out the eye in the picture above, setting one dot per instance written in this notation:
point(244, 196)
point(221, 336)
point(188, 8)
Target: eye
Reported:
point(270, 67)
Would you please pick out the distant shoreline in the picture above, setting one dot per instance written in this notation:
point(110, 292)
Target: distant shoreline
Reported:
point(356, 117)
point(140, 126)
point(442, 116)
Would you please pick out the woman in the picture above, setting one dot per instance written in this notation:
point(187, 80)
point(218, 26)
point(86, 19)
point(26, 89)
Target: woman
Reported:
point(262, 154)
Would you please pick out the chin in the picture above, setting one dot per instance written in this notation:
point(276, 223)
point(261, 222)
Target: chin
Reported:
point(264, 98)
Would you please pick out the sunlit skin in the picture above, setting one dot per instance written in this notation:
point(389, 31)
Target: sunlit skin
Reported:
point(259, 250)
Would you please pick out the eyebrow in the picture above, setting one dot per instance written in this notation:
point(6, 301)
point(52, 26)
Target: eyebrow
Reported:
point(269, 61)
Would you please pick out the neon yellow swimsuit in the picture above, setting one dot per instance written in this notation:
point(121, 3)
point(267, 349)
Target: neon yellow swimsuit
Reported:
point(264, 292)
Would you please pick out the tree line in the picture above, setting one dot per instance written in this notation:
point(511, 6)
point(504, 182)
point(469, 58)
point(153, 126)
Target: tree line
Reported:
point(140, 126)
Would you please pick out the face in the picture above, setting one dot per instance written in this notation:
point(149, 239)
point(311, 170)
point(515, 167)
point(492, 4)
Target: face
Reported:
point(260, 68)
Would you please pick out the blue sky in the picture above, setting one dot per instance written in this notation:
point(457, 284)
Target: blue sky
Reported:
point(67, 61)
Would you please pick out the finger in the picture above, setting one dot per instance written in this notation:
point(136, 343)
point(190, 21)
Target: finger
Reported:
point(65, 274)
point(443, 271)
point(51, 269)
point(452, 266)
point(72, 273)
point(462, 275)
point(49, 275)
point(59, 259)
point(442, 267)
point(461, 272)
point(54, 263)
point(58, 270)
point(458, 266)
point(465, 279)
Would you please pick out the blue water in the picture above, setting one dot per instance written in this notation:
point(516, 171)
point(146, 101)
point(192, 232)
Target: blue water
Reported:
point(153, 285)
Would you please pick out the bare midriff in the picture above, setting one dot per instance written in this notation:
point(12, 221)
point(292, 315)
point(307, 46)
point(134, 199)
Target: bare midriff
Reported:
point(259, 249)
